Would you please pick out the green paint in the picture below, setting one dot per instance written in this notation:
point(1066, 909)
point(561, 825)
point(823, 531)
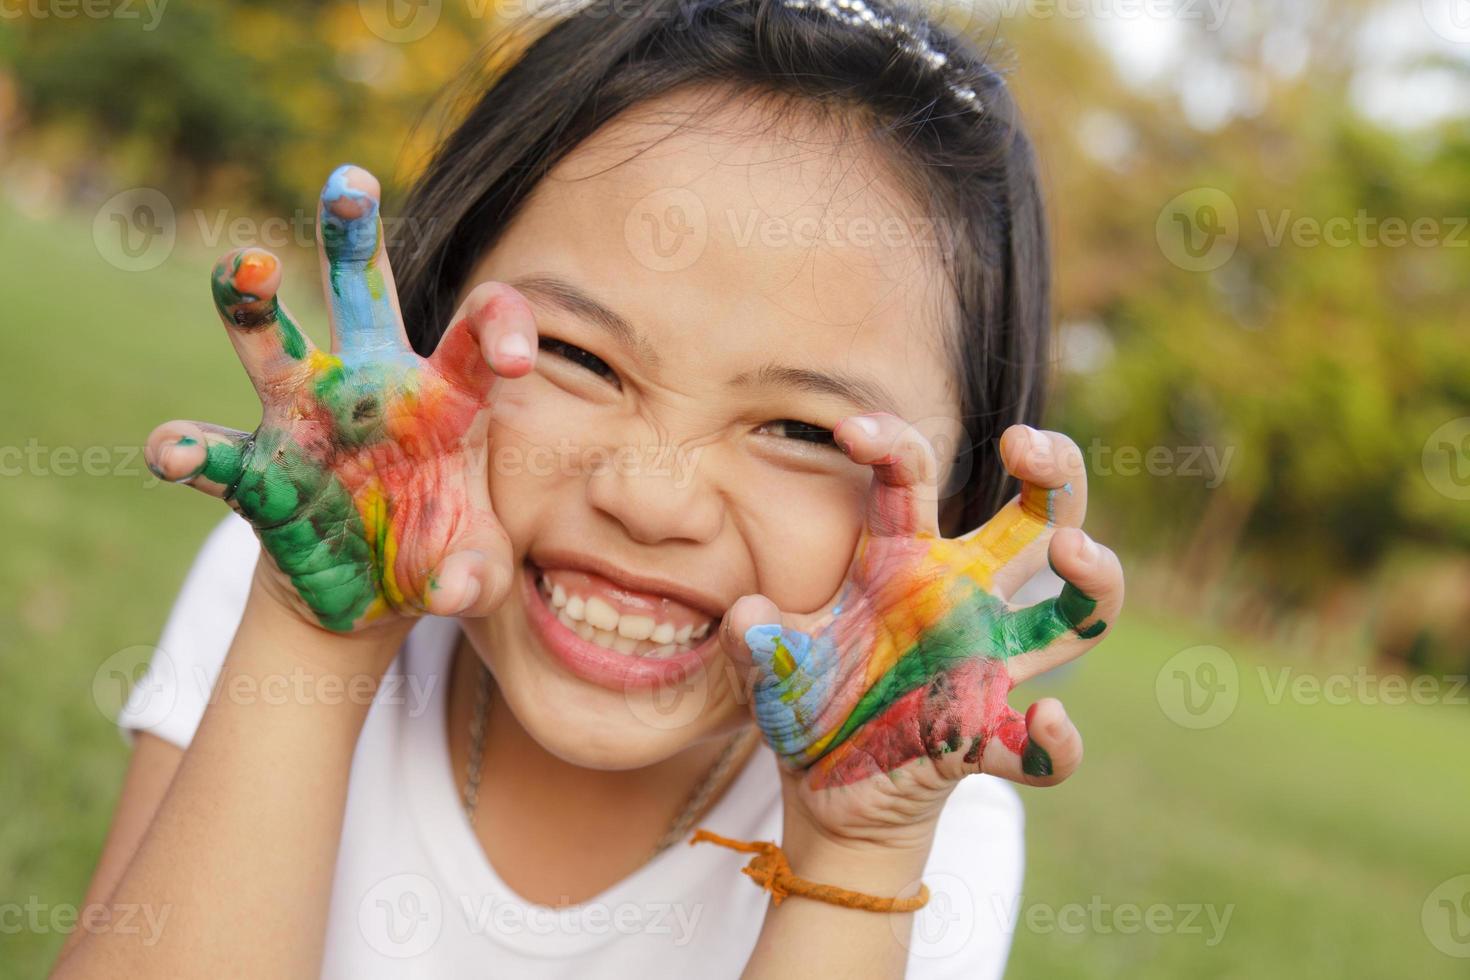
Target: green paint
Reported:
point(1035, 626)
point(1035, 760)
point(979, 623)
point(308, 523)
point(228, 298)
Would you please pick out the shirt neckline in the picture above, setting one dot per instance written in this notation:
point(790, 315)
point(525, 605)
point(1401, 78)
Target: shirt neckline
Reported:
point(465, 869)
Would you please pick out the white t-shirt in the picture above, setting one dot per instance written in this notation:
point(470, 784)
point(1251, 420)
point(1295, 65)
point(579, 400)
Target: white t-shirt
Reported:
point(415, 895)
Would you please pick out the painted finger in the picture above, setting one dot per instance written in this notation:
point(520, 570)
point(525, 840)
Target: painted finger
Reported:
point(207, 457)
point(904, 500)
point(788, 674)
point(270, 345)
point(358, 279)
point(492, 333)
point(1059, 630)
point(1053, 495)
point(1040, 749)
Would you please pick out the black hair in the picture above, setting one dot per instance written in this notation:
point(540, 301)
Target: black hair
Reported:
point(943, 110)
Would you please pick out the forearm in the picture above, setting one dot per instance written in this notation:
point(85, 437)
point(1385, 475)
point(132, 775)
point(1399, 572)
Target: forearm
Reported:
point(238, 863)
point(804, 936)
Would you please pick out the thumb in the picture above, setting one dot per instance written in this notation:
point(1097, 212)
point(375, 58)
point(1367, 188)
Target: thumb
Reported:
point(746, 614)
point(475, 577)
point(789, 675)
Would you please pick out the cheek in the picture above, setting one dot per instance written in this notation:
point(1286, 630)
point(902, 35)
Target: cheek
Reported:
point(802, 539)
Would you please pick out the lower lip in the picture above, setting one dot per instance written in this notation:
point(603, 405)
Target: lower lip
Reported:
point(598, 665)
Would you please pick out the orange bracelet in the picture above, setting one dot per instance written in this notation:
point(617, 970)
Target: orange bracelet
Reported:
point(770, 869)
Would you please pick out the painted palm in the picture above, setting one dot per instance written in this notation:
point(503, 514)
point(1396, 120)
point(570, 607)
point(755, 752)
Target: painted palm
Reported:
point(366, 473)
point(911, 660)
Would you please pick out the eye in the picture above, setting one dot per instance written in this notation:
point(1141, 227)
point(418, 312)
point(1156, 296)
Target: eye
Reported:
point(802, 431)
point(577, 355)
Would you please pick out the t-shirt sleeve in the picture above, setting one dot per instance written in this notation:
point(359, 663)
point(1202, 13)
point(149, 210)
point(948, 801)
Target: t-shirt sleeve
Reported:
point(169, 699)
point(974, 876)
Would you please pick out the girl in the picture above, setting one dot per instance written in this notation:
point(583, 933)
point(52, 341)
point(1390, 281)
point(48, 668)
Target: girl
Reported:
point(615, 530)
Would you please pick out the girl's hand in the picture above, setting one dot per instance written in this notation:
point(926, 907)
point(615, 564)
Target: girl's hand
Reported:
point(366, 479)
point(879, 704)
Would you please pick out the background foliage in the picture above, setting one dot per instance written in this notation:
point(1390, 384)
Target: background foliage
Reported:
point(1198, 318)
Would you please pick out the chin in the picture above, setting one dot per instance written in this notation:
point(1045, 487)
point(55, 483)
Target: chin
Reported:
point(592, 695)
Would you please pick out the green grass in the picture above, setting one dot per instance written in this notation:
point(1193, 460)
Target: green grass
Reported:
point(1322, 828)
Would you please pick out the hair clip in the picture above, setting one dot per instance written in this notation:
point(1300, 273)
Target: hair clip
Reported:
point(856, 13)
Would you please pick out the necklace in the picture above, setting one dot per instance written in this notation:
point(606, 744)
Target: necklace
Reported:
point(735, 750)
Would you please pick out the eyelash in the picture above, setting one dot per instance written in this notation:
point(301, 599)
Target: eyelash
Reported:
point(794, 429)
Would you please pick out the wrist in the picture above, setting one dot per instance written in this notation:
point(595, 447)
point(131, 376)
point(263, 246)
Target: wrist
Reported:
point(311, 648)
point(876, 864)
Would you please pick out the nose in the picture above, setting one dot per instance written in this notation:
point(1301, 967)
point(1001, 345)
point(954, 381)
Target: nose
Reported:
point(657, 494)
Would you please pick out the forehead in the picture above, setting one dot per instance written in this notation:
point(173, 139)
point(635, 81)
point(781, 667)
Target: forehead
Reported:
point(731, 234)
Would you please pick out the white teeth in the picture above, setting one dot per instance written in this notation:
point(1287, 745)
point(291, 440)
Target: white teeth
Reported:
point(601, 615)
point(635, 627)
point(595, 619)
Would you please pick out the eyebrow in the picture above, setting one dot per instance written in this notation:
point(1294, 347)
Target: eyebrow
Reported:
point(562, 294)
point(869, 394)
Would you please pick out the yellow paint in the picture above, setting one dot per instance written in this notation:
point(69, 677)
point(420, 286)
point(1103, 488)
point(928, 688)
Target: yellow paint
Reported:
point(372, 506)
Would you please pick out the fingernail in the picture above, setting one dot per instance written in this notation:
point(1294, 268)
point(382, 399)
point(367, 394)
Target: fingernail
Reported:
point(183, 442)
point(472, 594)
point(1035, 760)
point(1088, 552)
point(1040, 445)
point(868, 426)
point(513, 348)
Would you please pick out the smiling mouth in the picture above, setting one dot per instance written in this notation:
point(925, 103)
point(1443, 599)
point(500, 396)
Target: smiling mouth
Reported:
point(633, 624)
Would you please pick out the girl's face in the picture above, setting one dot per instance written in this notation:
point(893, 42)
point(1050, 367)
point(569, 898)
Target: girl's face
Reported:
point(713, 297)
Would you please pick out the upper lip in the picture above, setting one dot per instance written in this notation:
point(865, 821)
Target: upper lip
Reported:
point(694, 598)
